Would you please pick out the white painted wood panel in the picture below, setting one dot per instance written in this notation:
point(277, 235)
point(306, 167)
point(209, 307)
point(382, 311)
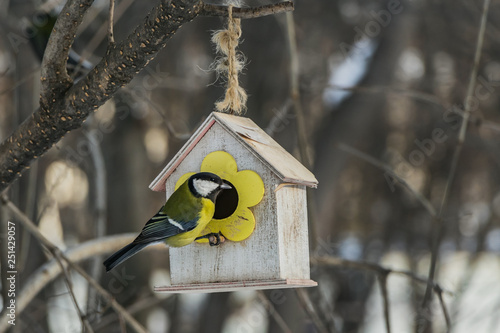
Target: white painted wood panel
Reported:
point(291, 204)
point(256, 258)
point(218, 287)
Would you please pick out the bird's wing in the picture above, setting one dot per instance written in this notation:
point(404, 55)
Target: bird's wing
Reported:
point(162, 226)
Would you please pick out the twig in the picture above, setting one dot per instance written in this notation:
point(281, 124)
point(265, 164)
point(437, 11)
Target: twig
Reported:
point(103, 31)
point(20, 81)
point(388, 89)
point(295, 92)
point(111, 36)
point(444, 309)
point(67, 279)
point(140, 305)
point(55, 251)
point(339, 262)
point(382, 279)
point(123, 328)
point(272, 311)
point(471, 264)
point(439, 225)
point(308, 306)
point(247, 13)
point(419, 196)
point(491, 125)
point(31, 201)
point(418, 95)
point(99, 204)
point(303, 139)
point(50, 270)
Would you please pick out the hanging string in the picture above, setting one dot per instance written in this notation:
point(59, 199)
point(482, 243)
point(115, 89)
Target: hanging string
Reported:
point(229, 64)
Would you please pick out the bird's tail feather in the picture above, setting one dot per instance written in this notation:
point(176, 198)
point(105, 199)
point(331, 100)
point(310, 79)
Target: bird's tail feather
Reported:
point(121, 255)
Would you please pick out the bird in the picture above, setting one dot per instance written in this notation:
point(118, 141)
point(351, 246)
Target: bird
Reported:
point(181, 220)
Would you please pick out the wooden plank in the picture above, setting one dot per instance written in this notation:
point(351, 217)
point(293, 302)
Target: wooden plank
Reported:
point(218, 287)
point(291, 207)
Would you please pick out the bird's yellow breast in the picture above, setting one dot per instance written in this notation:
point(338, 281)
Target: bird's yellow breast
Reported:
point(185, 238)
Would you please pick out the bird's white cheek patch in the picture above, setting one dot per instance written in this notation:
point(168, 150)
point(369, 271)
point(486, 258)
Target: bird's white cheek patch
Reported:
point(204, 187)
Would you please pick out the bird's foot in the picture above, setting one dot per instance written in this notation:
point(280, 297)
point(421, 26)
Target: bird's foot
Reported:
point(214, 239)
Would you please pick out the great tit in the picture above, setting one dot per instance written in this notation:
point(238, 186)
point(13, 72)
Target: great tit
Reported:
point(181, 220)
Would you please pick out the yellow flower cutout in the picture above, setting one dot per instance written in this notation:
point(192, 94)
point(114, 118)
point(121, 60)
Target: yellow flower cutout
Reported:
point(232, 217)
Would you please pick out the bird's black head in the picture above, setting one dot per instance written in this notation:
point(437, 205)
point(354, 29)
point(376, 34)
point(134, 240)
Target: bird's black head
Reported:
point(206, 185)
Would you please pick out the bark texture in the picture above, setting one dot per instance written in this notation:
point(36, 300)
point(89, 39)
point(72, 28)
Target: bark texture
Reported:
point(63, 105)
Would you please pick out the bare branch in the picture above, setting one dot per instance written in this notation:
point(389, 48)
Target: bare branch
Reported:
point(419, 196)
point(100, 212)
point(446, 315)
point(50, 270)
point(111, 35)
point(439, 225)
point(122, 62)
point(419, 96)
point(308, 306)
point(334, 261)
point(140, 305)
point(247, 13)
point(103, 31)
point(55, 78)
point(56, 252)
point(65, 107)
point(382, 279)
point(303, 138)
point(272, 311)
point(67, 279)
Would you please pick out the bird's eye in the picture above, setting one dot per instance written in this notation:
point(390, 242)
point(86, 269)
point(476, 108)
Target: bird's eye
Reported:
point(213, 179)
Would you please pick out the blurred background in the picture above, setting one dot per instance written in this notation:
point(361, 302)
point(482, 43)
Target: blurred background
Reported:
point(387, 78)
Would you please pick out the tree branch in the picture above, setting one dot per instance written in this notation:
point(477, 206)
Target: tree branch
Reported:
point(100, 195)
point(56, 252)
point(307, 304)
point(111, 34)
point(271, 310)
point(62, 110)
point(67, 279)
point(50, 270)
point(55, 79)
point(387, 168)
point(246, 13)
point(122, 62)
point(439, 226)
point(379, 270)
point(382, 279)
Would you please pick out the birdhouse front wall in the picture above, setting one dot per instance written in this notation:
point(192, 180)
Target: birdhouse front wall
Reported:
point(270, 252)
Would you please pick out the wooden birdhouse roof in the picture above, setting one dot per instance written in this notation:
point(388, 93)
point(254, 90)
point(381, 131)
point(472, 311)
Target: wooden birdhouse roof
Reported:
point(252, 138)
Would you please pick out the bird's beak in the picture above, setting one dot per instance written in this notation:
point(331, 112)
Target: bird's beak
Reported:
point(225, 186)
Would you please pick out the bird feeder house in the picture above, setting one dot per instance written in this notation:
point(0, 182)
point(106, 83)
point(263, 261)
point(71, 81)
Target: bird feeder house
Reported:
point(263, 218)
